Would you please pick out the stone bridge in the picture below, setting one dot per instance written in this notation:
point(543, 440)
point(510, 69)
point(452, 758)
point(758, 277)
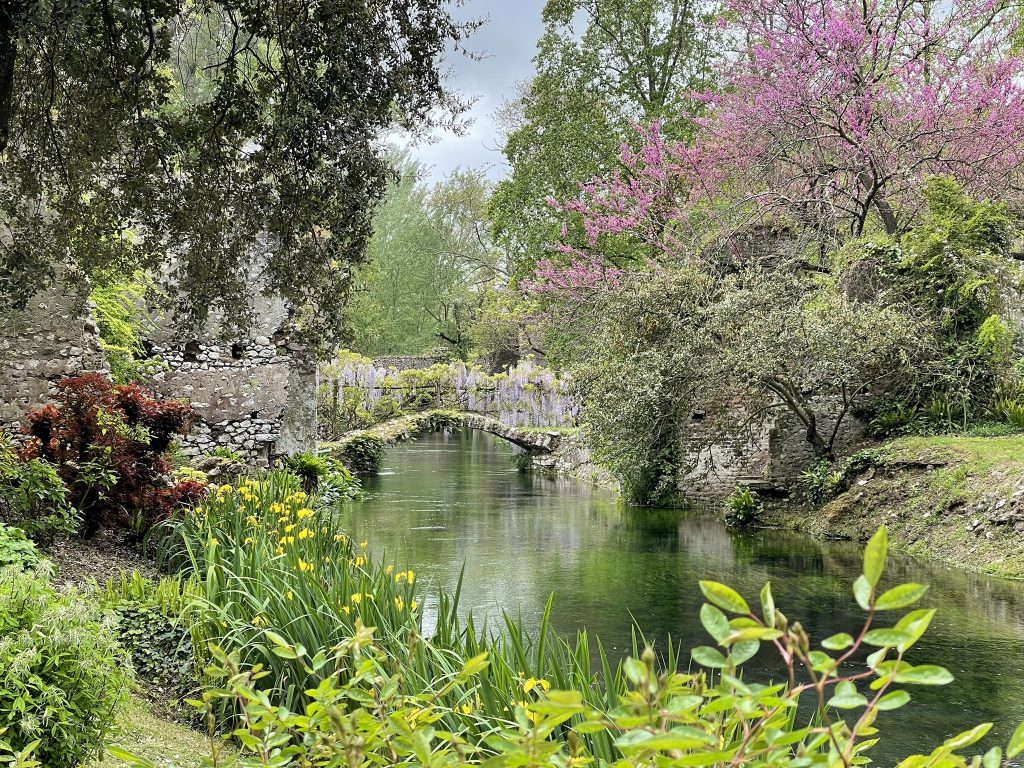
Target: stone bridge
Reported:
point(363, 449)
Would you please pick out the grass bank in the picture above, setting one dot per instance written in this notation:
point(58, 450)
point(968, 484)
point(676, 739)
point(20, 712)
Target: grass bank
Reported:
point(951, 498)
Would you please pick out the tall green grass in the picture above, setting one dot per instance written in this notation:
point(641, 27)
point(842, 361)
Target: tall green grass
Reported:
point(269, 559)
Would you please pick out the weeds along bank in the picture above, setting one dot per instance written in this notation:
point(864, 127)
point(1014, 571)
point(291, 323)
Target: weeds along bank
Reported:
point(956, 499)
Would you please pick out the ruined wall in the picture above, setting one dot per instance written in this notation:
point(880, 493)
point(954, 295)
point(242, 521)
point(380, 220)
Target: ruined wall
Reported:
point(768, 457)
point(54, 336)
point(256, 396)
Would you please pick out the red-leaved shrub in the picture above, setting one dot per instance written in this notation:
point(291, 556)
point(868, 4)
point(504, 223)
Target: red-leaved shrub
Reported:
point(110, 445)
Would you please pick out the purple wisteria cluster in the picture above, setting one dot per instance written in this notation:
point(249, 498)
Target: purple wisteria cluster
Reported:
point(529, 395)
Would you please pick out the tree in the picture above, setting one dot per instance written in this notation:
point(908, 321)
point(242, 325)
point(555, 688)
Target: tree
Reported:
point(631, 62)
point(431, 260)
point(228, 143)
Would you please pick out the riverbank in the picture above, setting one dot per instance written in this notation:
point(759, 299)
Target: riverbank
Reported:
point(955, 499)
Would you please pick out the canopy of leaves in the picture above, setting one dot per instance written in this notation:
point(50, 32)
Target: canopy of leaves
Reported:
point(227, 144)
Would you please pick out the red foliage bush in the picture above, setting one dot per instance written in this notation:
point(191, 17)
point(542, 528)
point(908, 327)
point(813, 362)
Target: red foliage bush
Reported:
point(110, 446)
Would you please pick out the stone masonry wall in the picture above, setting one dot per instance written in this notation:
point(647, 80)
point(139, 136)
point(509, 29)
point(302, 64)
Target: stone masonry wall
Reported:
point(256, 396)
point(768, 457)
point(54, 336)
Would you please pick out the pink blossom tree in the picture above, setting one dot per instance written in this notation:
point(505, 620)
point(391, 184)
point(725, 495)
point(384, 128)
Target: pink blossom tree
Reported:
point(830, 116)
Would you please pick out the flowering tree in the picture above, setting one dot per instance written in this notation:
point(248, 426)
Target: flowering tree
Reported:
point(833, 113)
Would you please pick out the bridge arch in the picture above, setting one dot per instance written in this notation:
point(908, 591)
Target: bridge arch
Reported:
point(362, 450)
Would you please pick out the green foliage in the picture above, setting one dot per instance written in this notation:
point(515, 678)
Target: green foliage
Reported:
point(742, 508)
point(952, 270)
point(325, 475)
point(121, 315)
point(429, 257)
point(16, 550)
point(33, 496)
point(160, 648)
point(826, 478)
point(374, 700)
point(100, 104)
point(363, 453)
point(62, 675)
point(601, 67)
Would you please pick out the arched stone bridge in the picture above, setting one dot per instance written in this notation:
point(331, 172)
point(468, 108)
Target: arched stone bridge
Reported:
point(362, 449)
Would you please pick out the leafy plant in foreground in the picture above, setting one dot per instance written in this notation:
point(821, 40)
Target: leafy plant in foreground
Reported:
point(364, 710)
point(62, 674)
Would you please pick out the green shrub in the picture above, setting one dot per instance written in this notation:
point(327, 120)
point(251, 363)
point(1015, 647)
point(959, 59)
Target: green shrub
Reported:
point(366, 708)
point(364, 454)
point(62, 674)
point(160, 648)
point(742, 508)
point(16, 549)
point(122, 320)
point(33, 496)
point(310, 467)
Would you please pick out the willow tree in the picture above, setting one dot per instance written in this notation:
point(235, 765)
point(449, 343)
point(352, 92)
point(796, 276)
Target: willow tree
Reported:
point(220, 143)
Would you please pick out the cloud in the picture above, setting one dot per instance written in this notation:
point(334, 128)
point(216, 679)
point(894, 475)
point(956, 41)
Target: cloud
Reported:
point(507, 43)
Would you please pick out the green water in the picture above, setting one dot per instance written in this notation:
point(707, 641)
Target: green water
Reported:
point(442, 503)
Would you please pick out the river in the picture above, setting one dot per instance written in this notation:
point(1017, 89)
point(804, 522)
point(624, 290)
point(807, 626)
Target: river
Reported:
point(444, 503)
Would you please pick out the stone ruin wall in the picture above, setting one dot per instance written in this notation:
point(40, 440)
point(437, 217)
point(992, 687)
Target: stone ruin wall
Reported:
point(769, 457)
point(410, 362)
point(255, 396)
point(53, 337)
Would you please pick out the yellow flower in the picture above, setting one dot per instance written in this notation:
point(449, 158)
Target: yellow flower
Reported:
point(359, 561)
point(339, 537)
point(213, 542)
point(399, 603)
point(303, 513)
point(412, 605)
point(467, 708)
point(290, 595)
point(248, 540)
point(251, 520)
point(400, 577)
point(259, 621)
point(276, 508)
point(389, 570)
point(533, 682)
point(356, 598)
point(304, 566)
point(289, 528)
point(410, 577)
point(226, 488)
point(364, 544)
point(280, 550)
point(305, 533)
point(346, 609)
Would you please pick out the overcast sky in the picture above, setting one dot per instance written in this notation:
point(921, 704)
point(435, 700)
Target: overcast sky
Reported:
point(508, 42)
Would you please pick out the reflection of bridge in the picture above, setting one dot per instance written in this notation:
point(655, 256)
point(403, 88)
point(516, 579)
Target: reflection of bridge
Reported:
point(355, 447)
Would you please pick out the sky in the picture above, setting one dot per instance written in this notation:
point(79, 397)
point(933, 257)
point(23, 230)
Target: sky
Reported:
point(508, 42)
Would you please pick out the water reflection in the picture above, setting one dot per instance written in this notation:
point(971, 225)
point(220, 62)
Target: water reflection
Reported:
point(454, 502)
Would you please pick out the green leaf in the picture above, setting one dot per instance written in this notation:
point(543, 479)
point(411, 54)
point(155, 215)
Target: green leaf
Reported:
point(887, 636)
point(993, 758)
point(724, 597)
point(744, 651)
point(874, 556)
point(862, 591)
point(837, 642)
point(754, 633)
point(924, 674)
point(967, 738)
point(893, 700)
point(900, 597)
point(768, 604)
point(1016, 745)
point(707, 656)
point(846, 697)
point(715, 622)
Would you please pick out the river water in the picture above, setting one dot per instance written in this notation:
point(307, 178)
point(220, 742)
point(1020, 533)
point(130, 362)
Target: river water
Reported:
point(444, 503)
